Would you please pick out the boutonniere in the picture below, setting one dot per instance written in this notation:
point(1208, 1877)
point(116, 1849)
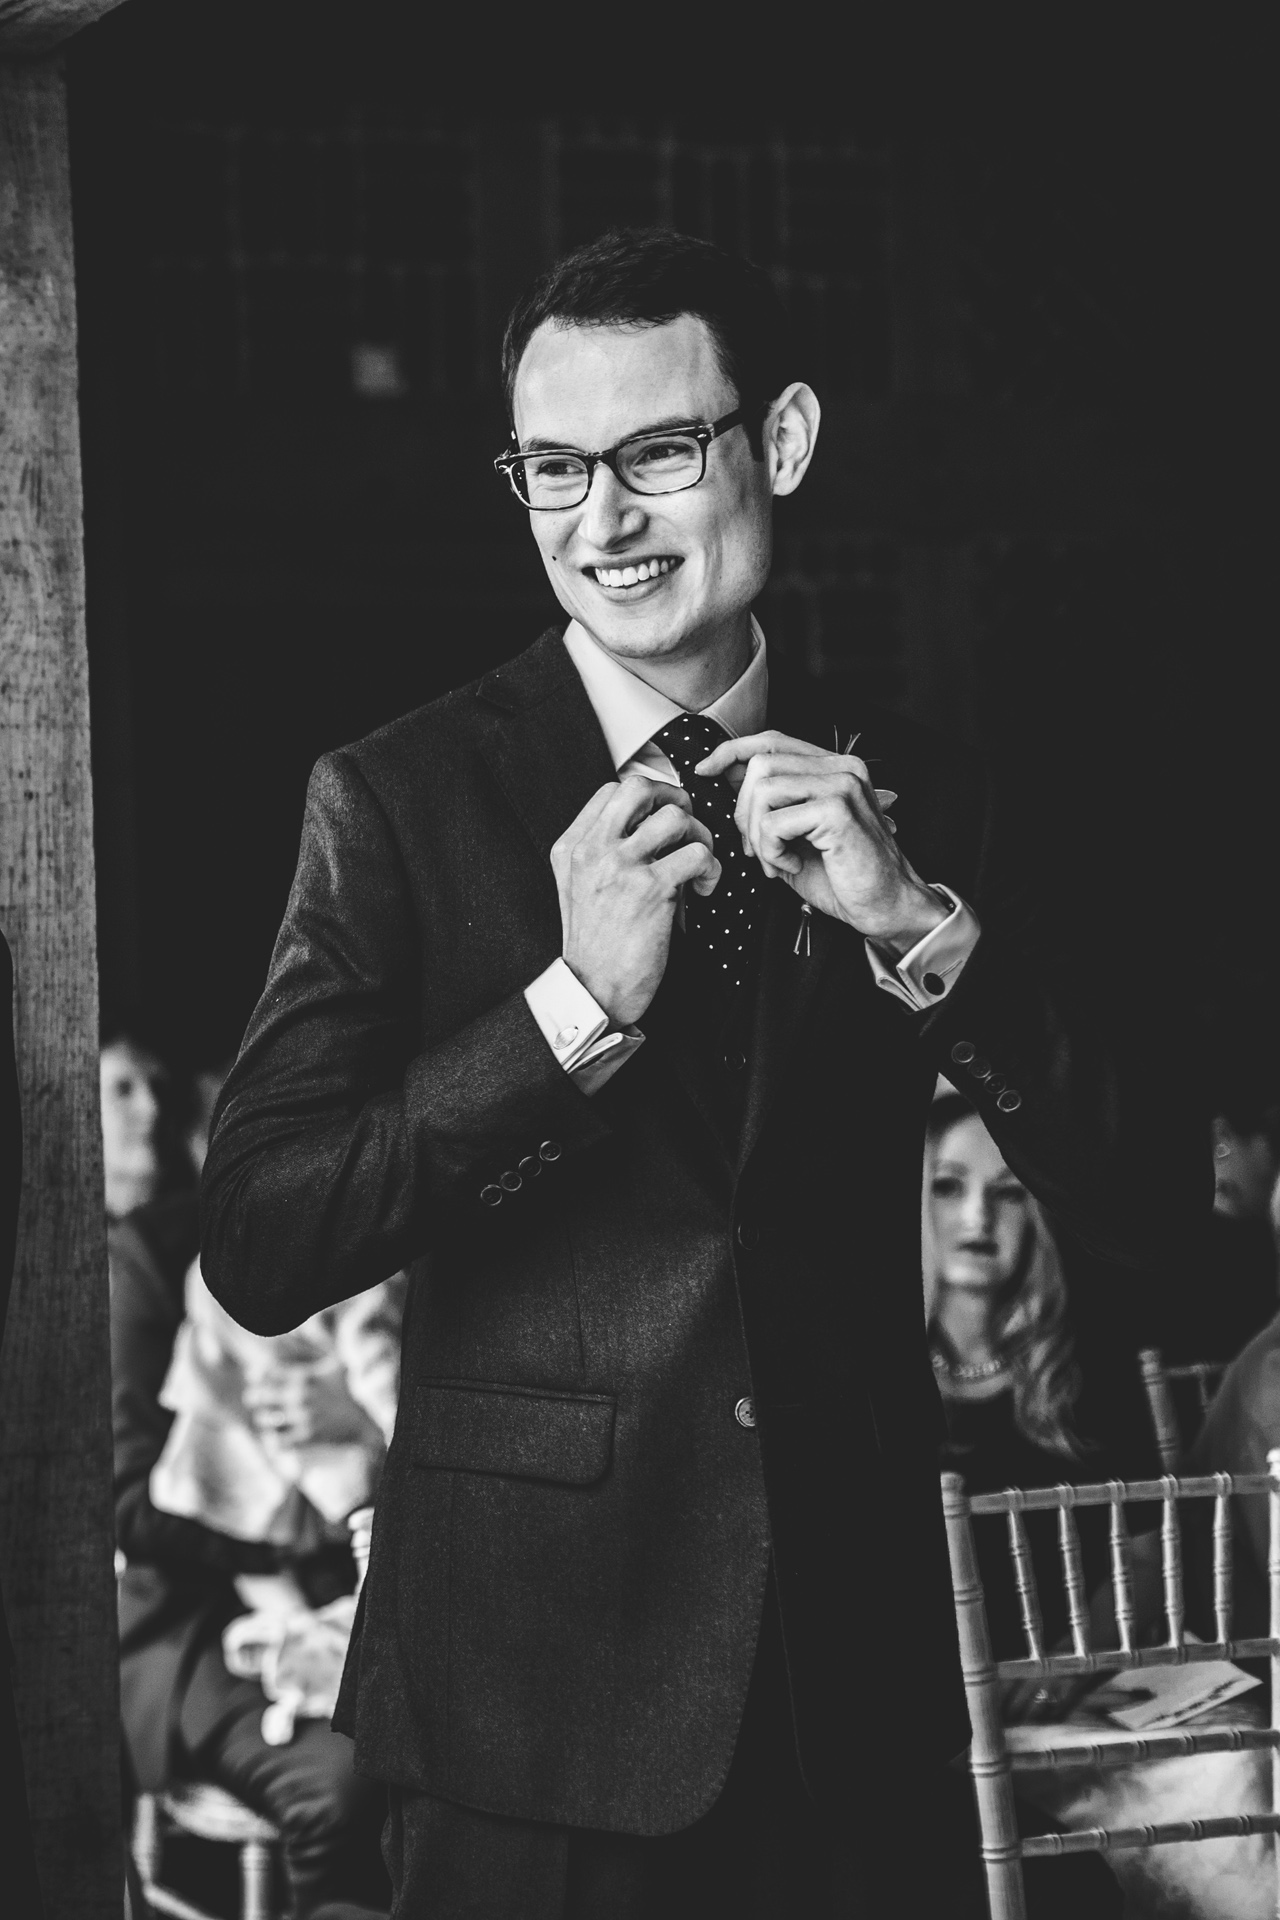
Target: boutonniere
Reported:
point(884, 799)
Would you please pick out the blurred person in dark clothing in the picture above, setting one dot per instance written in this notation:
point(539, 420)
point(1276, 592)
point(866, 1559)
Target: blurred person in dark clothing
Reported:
point(1239, 1430)
point(1005, 1358)
point(21, 1885)
point(185, 1714)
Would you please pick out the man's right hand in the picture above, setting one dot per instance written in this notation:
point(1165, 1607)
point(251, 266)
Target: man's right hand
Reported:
point(619, 868)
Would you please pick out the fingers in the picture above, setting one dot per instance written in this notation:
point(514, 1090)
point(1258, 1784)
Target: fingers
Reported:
point(668, 827)
point(614, 810)
point(693, 863)
point(634, 798)
point(747, 745)
point(787, 780)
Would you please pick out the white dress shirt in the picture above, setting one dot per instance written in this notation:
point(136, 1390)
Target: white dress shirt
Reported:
point(630, 712)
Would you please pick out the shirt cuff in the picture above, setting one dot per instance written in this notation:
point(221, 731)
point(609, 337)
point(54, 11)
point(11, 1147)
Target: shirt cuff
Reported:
point(577, 1029)
point(925, 976)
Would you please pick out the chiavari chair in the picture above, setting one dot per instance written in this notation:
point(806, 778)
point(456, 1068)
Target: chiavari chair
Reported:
point(1158, 1381)
point(991, 1761)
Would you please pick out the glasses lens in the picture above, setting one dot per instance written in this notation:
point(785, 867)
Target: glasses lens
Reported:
point(661, 465)
point(551, 479)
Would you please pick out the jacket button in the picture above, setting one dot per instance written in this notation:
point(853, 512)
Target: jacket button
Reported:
point(748, 1234)
point(745, 1411)
point(735, 1061)
point(962, 1052)
point(510, 1181)
point(550, 1150)
point(979, 1067)
point(491, 1195)
point(1010, 1100)
point(530, 1166)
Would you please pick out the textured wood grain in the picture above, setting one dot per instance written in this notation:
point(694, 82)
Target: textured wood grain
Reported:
point(33, 26)
point(55, 1493)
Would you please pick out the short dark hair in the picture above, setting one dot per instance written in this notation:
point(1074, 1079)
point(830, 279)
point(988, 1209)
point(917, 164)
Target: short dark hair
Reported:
point(645, 276)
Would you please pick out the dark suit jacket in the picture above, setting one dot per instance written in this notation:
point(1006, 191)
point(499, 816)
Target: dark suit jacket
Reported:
point(573, 1529)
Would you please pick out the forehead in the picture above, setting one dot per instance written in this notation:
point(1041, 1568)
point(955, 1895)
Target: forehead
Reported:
point(591, 386)
point(968, 1144)
point(121, 1057)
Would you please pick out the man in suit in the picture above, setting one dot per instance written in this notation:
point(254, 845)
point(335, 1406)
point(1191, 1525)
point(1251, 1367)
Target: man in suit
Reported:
point(609, 999)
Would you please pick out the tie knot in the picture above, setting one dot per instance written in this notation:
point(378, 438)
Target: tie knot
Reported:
point(687, 740)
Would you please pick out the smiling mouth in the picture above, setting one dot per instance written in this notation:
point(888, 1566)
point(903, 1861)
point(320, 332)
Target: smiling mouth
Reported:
point(635, 573)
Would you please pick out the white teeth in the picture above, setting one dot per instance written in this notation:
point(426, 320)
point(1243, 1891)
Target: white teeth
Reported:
point(631, 576)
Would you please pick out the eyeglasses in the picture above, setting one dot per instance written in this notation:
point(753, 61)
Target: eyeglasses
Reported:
point(560, 477)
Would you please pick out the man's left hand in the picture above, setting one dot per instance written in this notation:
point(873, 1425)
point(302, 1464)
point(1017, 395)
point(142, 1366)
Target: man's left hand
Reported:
point(812, 818)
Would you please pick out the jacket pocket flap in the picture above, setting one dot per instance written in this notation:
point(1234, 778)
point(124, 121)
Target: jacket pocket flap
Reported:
point(523, 1431)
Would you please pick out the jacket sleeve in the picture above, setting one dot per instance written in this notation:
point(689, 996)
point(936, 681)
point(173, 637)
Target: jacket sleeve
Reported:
point(1070, 1066)
point(340, 1143)
point(145, 1316)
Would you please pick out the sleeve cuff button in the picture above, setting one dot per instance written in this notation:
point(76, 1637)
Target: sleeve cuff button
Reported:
point(510, 1181)
point(1010, 1100)
point(491, 1195)
point(550, 1150)
point(962, 1052)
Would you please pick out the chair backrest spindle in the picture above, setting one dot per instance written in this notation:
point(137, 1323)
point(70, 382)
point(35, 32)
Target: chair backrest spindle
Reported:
point(1073, 1574)
point(1121, 1569)
point(1171, 1561)
point(1164, 1419)
point(1025, 1581)
point(1222, 1565)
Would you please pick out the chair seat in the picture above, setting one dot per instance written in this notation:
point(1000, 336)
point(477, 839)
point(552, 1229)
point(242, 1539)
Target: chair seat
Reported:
point(211, 1813)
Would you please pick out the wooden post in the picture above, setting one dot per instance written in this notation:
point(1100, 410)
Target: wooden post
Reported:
point(988, 1756)
point(1273, 1585)
point(55, 1440)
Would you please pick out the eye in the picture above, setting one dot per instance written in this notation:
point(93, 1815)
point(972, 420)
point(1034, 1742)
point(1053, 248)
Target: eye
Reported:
point(554, 466)
point(660, 453)
point(1013, 1195)
point(945, 1186)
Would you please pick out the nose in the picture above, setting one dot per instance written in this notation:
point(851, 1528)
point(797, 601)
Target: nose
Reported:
point(976, 1214)
point(609, 513)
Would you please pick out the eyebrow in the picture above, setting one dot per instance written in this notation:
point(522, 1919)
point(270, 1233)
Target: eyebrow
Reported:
point(673, 423)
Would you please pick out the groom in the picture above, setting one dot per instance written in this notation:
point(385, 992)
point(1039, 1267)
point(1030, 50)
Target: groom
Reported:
point(610, 999)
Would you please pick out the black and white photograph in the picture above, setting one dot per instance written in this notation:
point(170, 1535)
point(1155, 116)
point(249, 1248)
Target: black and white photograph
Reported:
point(640, 1090)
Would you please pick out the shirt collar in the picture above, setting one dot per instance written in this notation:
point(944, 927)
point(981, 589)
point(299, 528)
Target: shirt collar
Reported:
point(630, 711)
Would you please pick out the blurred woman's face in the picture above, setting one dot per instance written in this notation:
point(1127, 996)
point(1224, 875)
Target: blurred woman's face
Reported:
point(979, 1210)
point(131, 1084)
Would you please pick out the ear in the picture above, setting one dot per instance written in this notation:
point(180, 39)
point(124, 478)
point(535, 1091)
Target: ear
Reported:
point(790, 436)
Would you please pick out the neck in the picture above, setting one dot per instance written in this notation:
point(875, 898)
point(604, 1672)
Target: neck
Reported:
point(963, 1316)
point(695, 679)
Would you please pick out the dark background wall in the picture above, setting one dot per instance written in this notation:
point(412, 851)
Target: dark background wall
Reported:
point(1030, 297)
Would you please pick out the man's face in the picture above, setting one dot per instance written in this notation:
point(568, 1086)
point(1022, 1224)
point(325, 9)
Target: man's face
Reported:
point(707, 549)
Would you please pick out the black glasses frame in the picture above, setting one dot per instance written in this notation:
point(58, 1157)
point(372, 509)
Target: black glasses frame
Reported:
point(704, 433)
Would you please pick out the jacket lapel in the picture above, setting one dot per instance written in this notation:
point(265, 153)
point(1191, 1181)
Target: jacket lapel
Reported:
point(542, 740)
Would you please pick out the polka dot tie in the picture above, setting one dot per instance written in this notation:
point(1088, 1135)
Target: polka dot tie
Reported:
point(720, 928)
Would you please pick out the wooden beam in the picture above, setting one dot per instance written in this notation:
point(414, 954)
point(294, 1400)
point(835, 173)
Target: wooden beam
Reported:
point(33, 26)
point(55, 1441)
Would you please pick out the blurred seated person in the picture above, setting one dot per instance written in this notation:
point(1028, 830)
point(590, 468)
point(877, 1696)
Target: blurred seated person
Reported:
point(237, 1461)
point(1240, 1429)
point(1004, 1357)
point(141, 1156)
